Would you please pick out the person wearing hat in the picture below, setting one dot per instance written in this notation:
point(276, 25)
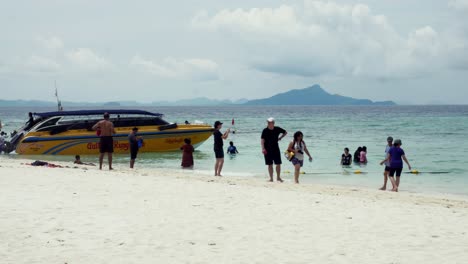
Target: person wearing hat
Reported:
point(270, 148)
point(106, 142)
point(387, 163)
point(396, 156)
point(218, 146)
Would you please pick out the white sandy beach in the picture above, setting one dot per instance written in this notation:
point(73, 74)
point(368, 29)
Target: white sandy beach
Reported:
point(83, 215)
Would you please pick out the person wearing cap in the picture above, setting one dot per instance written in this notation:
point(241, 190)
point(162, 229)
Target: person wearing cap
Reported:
point(387, 163)
point(106, 142)
point(396, 156)
point(270, 148)
point(218, 146)
point(133, 141)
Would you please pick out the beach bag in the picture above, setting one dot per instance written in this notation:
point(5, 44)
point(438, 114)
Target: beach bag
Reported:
point(289, 155)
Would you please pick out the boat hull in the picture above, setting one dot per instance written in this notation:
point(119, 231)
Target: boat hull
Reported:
point(83, 142)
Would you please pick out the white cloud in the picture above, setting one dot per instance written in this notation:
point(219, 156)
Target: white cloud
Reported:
point(459, 4)
point(51, 43)
point(86, 59)
point(195, 69)
point(327, 38)
point(41, 64)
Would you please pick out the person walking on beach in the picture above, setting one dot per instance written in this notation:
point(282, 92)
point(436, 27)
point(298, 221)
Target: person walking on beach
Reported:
point(270, 148)
point(387, 163)
point(106, 142)
point(133, 141)
point(396, 155)
point(187, 154)
point(346, 158)
point(298, 146)
point(218, 146)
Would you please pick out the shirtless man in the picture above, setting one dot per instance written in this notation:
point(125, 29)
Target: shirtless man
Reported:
point(106, 143)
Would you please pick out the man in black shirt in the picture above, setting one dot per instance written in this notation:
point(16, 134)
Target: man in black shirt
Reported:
point(270, 148)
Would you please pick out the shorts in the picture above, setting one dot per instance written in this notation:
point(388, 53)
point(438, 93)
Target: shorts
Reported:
point(273, 156)
point(219, 153)
point(296, 161)
point(133, 151)
point(106, 144)
point(397, 170)
point(387, 168)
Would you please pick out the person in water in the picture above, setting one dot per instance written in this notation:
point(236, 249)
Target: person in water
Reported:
point(218, 146)
point(187, 154)
point(363, 155)
point(387, 163)
point(357, 154)
point(298, 146)
point(106, 142)
point(270, 148)
point(396, 156)
point(232, 149)
point(346, 158)
point(78, 161)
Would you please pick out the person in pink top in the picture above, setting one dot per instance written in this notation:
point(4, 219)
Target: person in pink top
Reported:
point(363, 155)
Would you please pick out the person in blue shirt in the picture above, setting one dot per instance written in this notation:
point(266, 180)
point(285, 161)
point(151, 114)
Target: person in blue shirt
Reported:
point(232, 149)
point(396, 156)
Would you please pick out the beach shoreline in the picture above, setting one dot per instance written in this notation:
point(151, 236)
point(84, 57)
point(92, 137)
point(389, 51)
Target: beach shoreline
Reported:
point(83, 215)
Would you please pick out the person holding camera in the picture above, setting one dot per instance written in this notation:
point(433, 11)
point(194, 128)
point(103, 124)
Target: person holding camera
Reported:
point(298, 146)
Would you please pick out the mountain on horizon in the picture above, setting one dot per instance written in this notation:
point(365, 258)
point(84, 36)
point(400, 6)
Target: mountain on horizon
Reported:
point(313, 95)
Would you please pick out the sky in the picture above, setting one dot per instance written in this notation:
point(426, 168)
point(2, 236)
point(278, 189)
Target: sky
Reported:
point(411, 52)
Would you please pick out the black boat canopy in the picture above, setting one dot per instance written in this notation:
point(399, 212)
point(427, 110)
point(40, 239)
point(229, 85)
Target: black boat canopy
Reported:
point(96, 112)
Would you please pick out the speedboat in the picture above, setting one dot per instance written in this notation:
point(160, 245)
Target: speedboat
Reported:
point(70, 133)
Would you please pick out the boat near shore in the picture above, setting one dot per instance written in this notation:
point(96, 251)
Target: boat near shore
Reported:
point(70, 133)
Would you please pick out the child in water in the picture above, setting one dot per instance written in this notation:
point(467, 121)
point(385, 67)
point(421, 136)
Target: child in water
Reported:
point(187, 156)
point(232, 149)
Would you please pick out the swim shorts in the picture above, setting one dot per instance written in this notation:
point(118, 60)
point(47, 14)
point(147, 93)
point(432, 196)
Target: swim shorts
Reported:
point(219, 153)
point(387, 168)
point(273, 156)
point(133, 151)
point(106, 144)
point(397, 170)
point(297, 161)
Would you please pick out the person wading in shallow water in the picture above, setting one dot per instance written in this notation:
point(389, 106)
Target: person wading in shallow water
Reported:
point(218, 146)
point(106, 142)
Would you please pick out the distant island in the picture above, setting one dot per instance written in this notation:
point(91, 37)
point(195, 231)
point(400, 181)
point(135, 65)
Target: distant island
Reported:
point(313, 95)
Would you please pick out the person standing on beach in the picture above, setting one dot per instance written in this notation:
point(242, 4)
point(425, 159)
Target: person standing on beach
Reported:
point(270, 148)
point(106, 142)
point(187, 154)
point(218, 146)
point(396, 155)
point(298, 146)
point(133, 141)
point(387, 163)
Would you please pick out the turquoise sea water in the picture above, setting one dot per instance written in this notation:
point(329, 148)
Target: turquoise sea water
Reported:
point(434, 139)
